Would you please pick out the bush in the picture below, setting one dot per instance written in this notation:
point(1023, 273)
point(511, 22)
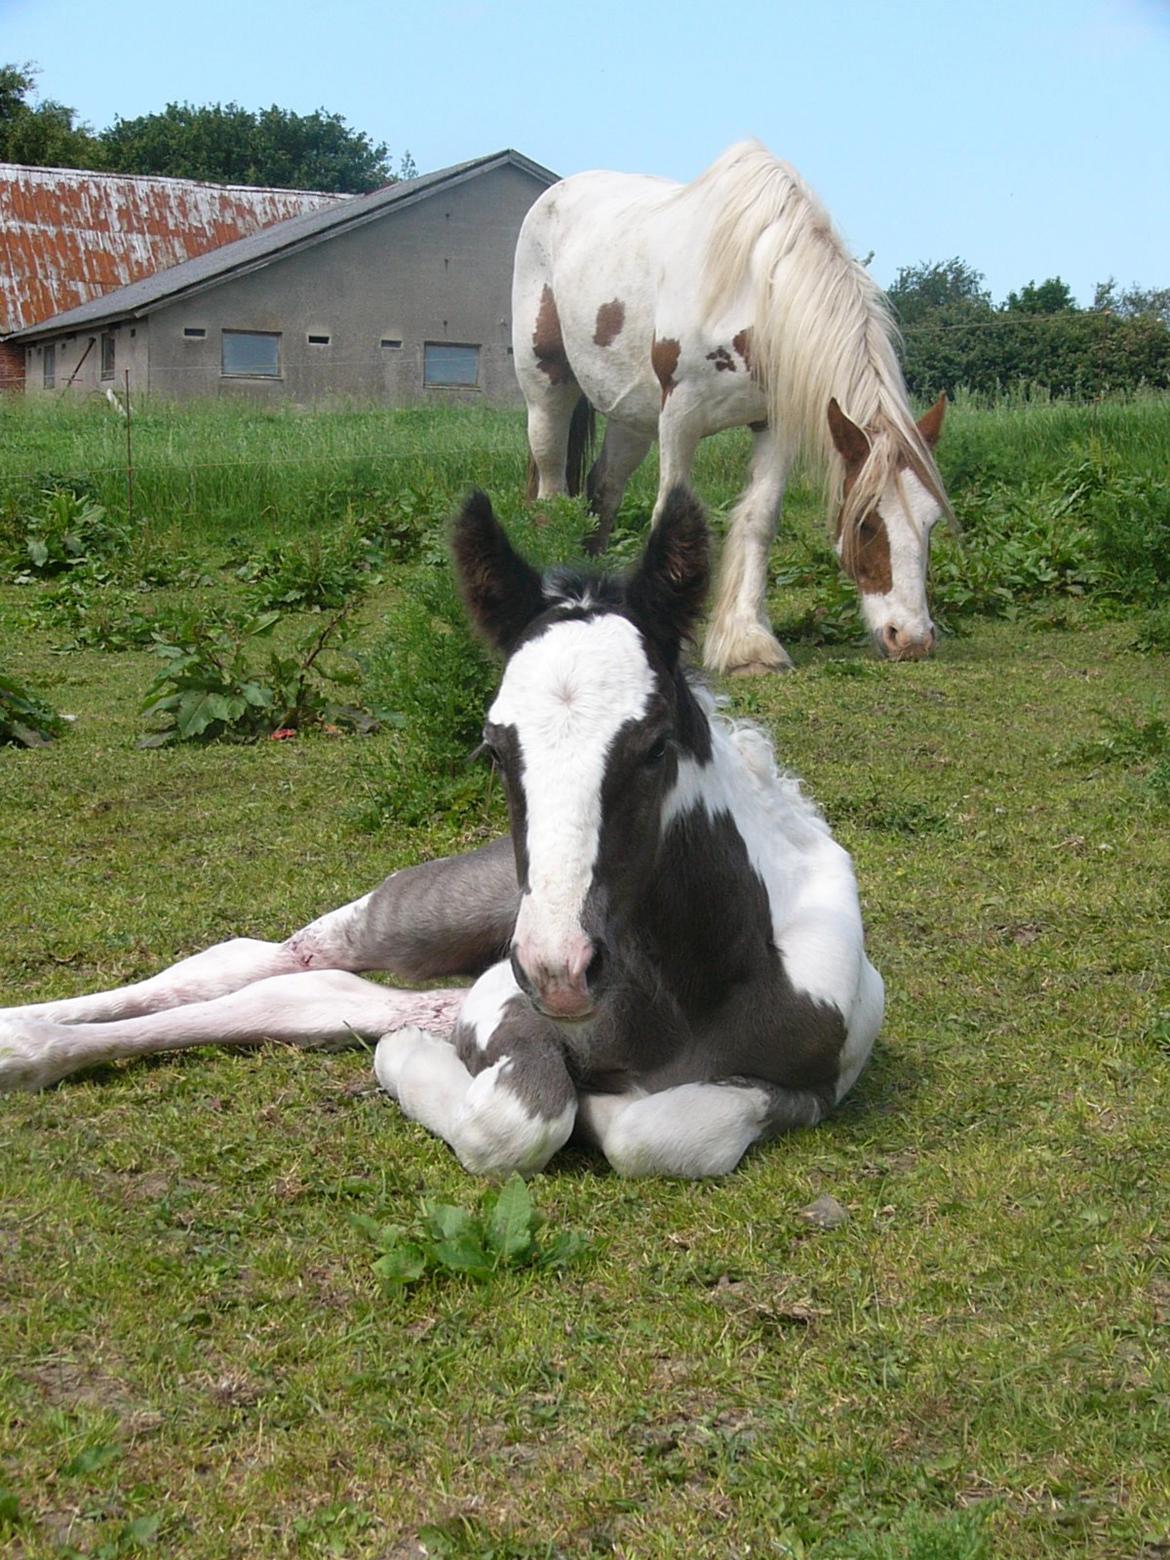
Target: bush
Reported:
point(104, 616)
point(210, 688)
point(318, 572)
point(65, 532)
point(25, 719)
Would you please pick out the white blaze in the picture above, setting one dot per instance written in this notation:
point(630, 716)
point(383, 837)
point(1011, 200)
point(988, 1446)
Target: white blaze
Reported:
point(567, 694)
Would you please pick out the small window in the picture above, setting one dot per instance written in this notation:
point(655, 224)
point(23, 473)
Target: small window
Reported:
point(50, 367)
point(318, 341)
point(194, 332)
point(251, 354)
point(391, 341)
point(109, 351)
point(447, 363)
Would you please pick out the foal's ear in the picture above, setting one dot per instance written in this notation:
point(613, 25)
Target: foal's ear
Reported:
point(501, 589)
point(667, 589)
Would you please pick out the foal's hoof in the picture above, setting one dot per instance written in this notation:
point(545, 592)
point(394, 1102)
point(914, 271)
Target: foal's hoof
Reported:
point(394, 1051)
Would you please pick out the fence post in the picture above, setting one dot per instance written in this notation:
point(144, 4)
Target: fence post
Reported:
point(129, 459)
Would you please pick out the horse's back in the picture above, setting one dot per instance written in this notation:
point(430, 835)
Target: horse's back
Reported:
point(611, 255)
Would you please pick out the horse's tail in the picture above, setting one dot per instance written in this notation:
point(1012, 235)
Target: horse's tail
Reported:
point(582, 437)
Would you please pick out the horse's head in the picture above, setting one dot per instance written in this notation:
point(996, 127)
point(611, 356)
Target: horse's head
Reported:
point(591, 718)
point(890, 504)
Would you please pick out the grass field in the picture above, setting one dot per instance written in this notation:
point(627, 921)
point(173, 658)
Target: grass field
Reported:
point(196, 1356)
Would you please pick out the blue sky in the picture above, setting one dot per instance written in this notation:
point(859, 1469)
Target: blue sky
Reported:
point(1030, 138)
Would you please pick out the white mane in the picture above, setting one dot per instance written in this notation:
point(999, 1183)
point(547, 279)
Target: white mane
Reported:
point(821, 326)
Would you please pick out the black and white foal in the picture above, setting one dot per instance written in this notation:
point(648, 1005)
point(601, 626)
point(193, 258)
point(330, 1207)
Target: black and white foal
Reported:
point(669, 949)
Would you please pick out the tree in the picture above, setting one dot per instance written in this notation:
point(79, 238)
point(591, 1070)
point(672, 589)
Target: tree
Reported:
point(45, 134)
point(225, 143)
point(1132, 302)
point(1051, 297)
point(920, 290)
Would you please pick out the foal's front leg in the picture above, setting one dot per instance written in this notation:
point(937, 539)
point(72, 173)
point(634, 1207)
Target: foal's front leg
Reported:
point(693, 1130)
point(501, 1096)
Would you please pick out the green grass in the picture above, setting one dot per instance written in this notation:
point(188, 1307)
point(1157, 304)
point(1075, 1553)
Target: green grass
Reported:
point(196, 1354)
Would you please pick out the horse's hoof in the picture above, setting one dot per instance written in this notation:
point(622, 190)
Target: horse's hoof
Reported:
point(759, 668)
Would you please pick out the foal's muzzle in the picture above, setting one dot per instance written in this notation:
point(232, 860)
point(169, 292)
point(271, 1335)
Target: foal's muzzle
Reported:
point(568, 992)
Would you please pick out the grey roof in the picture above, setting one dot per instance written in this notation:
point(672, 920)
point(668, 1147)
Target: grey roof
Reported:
point(273, 243)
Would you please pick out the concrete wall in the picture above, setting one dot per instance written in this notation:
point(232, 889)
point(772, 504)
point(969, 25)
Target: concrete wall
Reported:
point(77, 361)
point(438, 270)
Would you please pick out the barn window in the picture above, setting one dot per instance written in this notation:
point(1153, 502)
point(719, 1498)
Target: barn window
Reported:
point(318, 341)
point(251, 354)
point(108, 355)
point(50, 367)
point(451, 364)
point(391, 341)
point(195, 332)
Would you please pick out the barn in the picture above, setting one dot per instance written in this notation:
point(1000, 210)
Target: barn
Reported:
point(70, 235)
point(400, 295)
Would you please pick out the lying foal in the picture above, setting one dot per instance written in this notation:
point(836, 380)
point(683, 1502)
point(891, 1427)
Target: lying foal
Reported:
point(669, 949)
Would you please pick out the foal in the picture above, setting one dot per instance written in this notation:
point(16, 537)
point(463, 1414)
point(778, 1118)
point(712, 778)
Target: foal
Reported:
point(669, 949)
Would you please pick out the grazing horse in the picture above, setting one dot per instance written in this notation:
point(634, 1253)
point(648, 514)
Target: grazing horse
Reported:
point(669, 949)
point(681, 310)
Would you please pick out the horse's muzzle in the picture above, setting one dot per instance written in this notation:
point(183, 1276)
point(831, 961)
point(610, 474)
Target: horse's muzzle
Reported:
point(900, 644)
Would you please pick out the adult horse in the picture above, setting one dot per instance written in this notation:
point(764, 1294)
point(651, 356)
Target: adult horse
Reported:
point(669, 948)
point(681, 310)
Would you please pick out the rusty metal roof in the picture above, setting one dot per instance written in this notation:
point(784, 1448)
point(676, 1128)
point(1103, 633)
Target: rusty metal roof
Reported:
point(68, 235)
point(257, 249)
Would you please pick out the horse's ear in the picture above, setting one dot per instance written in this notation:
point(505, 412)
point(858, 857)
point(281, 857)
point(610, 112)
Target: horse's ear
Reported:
point(850, 441)
point(930, 423)
point(667, 589)
point(500, 588)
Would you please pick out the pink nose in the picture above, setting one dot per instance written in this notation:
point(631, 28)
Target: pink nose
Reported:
point(559, 987)
point(900, 644)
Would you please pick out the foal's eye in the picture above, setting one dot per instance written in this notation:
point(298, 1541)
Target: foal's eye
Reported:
point(654, 756)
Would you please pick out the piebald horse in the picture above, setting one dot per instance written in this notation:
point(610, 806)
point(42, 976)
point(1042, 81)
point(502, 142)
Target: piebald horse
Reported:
point(669, 948)
point(681, 310)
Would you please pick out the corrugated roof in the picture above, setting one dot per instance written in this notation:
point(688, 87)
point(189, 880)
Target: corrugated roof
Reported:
point(261, 248)
point(68, 235)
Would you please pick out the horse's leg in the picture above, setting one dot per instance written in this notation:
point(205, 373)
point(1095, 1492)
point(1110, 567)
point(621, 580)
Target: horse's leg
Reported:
point(448, 917)
point(550, 417)
point(325, 1009)
point(739, 640)
point(694, 1129)
point(501, 1095)
point(678, 439)
point(622, 452)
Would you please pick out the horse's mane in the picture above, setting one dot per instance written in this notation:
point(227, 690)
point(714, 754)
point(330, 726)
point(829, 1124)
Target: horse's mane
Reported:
point(820, 325)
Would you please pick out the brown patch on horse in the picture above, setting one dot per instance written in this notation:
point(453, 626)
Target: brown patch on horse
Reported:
point(867, 559)
point(664, 357)
point(547, 342)
point(722, 359)
point(742, 342)
point(610, 319)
